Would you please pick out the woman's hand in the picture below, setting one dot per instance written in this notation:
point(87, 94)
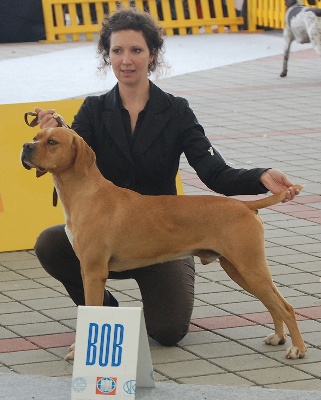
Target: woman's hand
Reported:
point(45, 118)
point(276, 181)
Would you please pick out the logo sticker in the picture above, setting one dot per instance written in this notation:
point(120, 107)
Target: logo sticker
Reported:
point(130, 387)
point(106, 386)
point(79, 385)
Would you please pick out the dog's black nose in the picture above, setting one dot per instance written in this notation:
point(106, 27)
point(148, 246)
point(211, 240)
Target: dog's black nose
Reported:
point(29, 146)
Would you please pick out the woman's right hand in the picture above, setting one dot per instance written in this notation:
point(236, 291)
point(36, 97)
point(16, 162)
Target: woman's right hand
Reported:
point(45, 118)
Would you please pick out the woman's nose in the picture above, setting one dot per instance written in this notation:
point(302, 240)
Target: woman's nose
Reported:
point(126, 58)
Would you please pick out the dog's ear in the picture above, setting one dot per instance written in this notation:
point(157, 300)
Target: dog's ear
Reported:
point(85, 157)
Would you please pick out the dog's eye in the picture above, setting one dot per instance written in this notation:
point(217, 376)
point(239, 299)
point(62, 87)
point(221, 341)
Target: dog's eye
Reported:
point(51, 142)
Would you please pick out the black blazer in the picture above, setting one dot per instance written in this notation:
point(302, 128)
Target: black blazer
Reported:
point(169, 129)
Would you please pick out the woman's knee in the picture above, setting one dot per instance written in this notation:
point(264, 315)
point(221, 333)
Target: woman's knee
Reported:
point(53, 249)
point(168, 297)
point(170, 335)
point(48, 239)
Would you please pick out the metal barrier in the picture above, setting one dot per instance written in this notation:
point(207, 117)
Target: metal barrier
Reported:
point(78, 18)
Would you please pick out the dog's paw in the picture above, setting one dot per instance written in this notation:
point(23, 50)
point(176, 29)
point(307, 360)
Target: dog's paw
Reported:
point(274, 339)
point(71, 354)
point(294, 353)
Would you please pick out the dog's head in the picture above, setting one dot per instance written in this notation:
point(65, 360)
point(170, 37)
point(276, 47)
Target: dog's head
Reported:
point(56, 150)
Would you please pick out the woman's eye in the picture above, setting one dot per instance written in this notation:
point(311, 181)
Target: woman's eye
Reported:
point(137, 51)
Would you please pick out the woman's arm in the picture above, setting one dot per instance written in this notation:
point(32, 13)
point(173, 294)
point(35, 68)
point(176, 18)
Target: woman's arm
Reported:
point(216, 174)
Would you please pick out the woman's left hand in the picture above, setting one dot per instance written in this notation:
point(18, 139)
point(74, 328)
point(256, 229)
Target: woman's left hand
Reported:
point(276, 181)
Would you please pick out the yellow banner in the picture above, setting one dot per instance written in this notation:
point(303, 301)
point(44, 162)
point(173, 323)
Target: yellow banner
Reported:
point(25, 201)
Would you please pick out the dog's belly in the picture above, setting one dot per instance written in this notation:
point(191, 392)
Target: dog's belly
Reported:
point(306, 27)
point(117, 265)
point(300, 33)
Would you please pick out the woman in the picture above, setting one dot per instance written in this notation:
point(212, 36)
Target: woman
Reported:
point(138, 133)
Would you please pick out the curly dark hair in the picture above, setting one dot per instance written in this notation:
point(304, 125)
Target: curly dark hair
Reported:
point(131, 19)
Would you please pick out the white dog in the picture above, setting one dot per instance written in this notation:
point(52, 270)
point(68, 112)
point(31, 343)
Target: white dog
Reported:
point(302, 24)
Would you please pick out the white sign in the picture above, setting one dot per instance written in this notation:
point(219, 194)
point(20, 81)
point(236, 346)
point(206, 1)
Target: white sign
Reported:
point(112, 353)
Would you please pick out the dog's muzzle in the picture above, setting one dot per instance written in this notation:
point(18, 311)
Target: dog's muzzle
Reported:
point(27, 154)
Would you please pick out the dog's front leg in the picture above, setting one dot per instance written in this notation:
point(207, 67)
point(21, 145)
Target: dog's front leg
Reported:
point(288, 37)
point(94, 285)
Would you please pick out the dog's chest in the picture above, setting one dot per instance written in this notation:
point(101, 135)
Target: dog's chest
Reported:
point(69, 234)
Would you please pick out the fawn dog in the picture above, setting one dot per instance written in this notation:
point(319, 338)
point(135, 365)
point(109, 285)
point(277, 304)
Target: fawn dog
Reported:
point(116, 229)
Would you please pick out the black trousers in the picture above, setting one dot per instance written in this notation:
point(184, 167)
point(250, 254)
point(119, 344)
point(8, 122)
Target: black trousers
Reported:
point(167, 289)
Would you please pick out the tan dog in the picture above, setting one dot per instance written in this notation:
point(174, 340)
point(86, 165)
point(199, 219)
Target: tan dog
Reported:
point(132, 230)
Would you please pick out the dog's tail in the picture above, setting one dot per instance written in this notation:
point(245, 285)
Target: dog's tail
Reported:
point(269, 201)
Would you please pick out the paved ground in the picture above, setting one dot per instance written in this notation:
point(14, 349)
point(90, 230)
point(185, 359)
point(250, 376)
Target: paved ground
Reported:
point(255, 118)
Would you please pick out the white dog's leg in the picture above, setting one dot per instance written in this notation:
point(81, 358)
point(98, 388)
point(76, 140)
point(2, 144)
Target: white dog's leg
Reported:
point(288, 37)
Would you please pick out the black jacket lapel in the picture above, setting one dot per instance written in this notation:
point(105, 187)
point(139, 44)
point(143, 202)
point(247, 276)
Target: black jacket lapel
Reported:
point(154, 122)
point(114, 124)
point(155, 119)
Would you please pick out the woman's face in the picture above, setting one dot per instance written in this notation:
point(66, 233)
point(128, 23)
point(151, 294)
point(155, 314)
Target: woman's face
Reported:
point(129, 56)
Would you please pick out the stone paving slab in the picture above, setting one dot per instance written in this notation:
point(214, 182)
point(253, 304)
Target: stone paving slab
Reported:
point(27, 387)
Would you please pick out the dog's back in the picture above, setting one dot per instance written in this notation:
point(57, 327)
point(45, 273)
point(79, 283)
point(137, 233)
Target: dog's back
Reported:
point(304, 23)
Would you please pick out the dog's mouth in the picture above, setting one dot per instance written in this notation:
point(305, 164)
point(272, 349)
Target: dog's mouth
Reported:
point(25, 161)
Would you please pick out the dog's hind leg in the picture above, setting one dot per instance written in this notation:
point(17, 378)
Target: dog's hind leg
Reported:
point(259, 283)
point(281, 310)
point(314, 32)
point(288, 37)
point(279, 336)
